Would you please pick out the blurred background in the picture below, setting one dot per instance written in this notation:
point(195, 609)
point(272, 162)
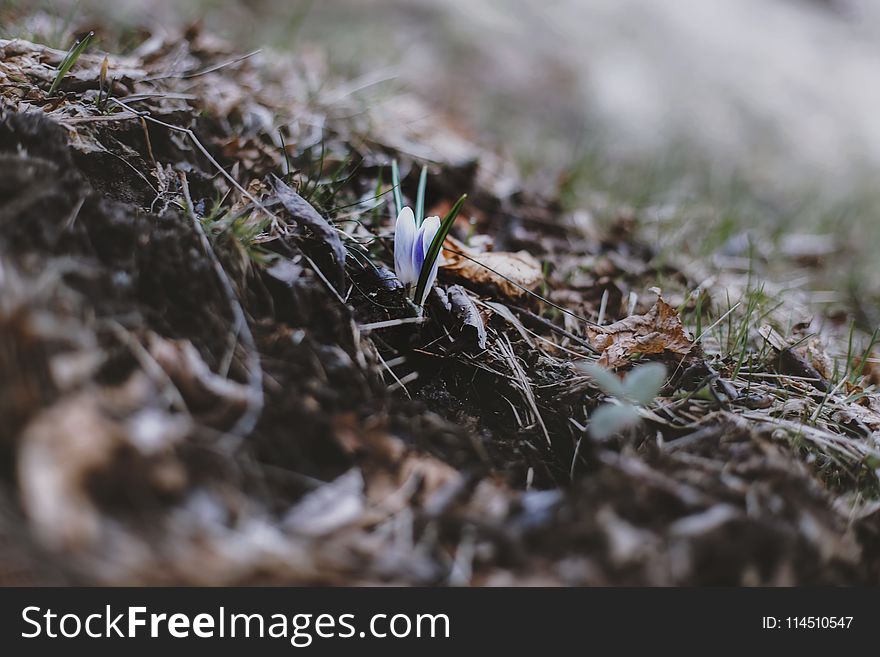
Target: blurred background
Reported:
point(732, 115)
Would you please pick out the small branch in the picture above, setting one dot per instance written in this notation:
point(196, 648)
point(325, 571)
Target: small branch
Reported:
point(256, 399)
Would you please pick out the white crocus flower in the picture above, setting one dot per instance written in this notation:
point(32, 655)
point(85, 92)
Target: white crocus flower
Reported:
point(411, 245)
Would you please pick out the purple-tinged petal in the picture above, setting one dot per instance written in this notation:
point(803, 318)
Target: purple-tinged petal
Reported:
point(428, 231)
point(417, 257)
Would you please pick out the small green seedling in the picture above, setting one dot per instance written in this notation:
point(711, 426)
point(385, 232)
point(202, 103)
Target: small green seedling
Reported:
point(69, 60)
point(639, 388)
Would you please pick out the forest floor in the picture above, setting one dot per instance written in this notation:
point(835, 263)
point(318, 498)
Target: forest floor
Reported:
point(209, 375)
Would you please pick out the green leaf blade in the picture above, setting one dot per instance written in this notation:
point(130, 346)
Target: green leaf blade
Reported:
point(395, 185)
point(420, 197)
point(434, 250)
point(69, 60)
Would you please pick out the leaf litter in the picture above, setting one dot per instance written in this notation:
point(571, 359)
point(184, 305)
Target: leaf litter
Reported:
point(658, 331)
point(452, 449)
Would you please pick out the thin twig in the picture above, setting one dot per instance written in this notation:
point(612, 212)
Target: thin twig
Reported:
point(204, 71)
point(397, 382)
point(256, 400)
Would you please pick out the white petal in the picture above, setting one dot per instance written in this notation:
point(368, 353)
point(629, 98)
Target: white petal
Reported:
point(404, 237)
point(429, 229)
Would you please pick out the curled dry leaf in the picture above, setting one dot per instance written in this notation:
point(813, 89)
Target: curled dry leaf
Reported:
point(304, 214)
point(216, 401)
point(854, 415)
point(466, 319)
point(657, 331)
point(503, 271)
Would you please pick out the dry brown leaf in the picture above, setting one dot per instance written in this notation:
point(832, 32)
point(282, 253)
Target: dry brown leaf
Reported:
point(856, 414)
point(659, 330)
point(815, 353)
point(806, 362)
point(507, 272)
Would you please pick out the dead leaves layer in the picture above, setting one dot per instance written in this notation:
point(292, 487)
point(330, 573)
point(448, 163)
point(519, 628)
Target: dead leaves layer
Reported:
point(658, 331)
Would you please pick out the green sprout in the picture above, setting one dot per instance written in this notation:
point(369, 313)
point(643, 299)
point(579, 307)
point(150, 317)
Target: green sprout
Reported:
point(69, 60)
point(639, 388)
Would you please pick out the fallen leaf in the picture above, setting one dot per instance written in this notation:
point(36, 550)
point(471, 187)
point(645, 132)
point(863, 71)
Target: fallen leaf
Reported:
point(302, 212)
point(467, 319)
point(869, 367)
point(506, 272)
point(795, 362)
point(854, 414)
point(655, 332)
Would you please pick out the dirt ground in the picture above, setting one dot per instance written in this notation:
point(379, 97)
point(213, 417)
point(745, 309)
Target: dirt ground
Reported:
point(209, 374)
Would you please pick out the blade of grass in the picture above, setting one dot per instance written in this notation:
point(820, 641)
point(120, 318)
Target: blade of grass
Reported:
point(284, 151)
point(69, 60)
point(699, 311)
point(420, 197)
point(434, 250)
point(395, 185)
